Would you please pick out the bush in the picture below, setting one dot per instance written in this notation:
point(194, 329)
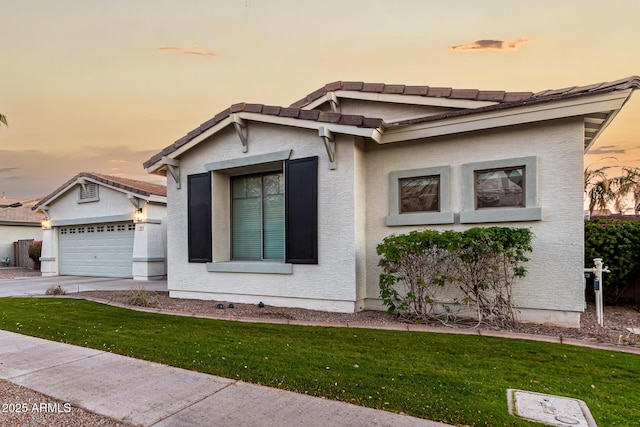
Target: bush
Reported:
point(141, 297)
point(35, 250)
point(481, 262)
point(617, 242)
point(55, 290)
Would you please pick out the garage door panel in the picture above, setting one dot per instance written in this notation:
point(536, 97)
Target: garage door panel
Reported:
point(104, 250)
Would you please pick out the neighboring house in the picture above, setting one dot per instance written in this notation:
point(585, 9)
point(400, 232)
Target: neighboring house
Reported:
point(287, 205)
point(17, 222)
point(106, 226)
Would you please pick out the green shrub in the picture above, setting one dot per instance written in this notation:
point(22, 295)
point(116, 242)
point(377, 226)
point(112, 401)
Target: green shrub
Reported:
point(481, 262)
point(617, 242)
point(35, 250)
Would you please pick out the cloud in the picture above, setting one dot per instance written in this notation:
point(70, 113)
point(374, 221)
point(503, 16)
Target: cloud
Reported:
point(490, 45)
point(34, 173)
point(193, 50)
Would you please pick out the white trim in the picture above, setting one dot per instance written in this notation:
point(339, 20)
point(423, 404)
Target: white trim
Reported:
point(399, 99)
point(510, 116)
point(263, 267)
point(92, 220)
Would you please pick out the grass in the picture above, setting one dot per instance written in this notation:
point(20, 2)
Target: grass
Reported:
point(449, 378)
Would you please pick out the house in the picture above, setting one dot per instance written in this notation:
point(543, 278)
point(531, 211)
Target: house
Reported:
point(286, 205)
point(17, 222)
point(106, 226)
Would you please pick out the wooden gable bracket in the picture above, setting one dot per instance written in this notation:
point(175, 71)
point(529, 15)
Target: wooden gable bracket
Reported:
point(241, 130)
point(329, 144)
point(173, 166)
point(333, 101)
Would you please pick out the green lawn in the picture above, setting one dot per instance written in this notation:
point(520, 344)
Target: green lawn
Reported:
point(456, 379)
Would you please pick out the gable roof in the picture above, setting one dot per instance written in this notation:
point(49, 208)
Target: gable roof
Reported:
point(142, 189)
point(417, 91)
point(485, 108)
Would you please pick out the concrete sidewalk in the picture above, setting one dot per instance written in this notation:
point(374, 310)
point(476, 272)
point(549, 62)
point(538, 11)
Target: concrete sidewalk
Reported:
point(152, 394)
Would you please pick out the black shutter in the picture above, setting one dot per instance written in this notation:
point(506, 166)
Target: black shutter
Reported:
point(199, 217)
point(301, 210)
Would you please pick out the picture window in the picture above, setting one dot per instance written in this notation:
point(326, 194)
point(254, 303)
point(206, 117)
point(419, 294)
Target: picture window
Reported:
point(499, 188)
point(420, 194)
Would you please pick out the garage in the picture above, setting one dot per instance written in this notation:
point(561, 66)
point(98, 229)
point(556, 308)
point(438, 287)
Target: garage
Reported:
point(102, 250)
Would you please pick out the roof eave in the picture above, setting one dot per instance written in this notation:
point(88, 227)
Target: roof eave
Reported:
point(609, 103)
point(399, 99)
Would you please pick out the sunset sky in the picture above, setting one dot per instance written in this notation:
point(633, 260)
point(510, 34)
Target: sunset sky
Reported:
point(100, 86)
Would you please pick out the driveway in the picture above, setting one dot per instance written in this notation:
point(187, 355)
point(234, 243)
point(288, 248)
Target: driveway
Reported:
point(72, 284)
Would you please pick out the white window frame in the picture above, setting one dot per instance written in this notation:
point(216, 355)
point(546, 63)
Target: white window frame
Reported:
point(444, 216)
point(530, 212)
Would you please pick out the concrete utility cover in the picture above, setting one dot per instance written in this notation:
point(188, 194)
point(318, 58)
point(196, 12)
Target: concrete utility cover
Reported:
point(548, 409)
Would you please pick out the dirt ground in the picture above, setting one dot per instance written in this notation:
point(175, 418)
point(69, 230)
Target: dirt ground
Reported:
point(617, 319)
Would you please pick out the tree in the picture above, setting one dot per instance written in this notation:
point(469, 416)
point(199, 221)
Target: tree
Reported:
point(597, 188)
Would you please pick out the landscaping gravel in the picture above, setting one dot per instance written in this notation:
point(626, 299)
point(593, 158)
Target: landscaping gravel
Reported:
point(23, 407)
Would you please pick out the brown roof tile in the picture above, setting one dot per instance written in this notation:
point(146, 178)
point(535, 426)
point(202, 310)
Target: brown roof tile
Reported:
point(416, 90)
point(271, 110)
point(237, 107)
point(464, 94)
point(373, 87)
point(351, 120)
point(309, 114)
point(253, 108)
point(393, 89)
point(491, 95)
point(439, 92)
point(289, 112)
point(328, 117)
point(352, 85)
point(333, 86)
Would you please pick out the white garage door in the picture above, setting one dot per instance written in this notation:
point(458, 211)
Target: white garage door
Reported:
point(102, 250)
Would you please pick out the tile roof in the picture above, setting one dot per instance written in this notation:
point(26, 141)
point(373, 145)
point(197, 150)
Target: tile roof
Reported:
point(544, 96)
point(21, 214)
point(467, 94)
point(13, 202)
point(131, 185)
point(503, 100)
point(425, 91)
point(268, 110)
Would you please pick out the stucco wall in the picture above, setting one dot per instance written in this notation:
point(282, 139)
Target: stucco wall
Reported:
point(111, 203)
point(555, 272)
point(12, 234)
point(329, 285)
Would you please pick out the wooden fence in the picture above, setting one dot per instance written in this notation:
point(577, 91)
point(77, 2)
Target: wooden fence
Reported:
point(21, 254)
